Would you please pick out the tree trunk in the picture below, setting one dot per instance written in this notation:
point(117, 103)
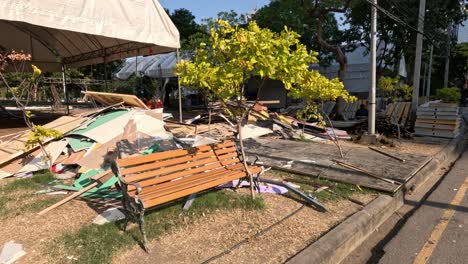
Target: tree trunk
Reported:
point(239, 131)
point(340, 58)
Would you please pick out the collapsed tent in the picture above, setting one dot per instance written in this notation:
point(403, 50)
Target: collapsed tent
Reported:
point(79, 32)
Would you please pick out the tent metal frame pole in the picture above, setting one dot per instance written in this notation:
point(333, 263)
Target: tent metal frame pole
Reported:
point(179, 89)
point(105, 73)
point(65, 90)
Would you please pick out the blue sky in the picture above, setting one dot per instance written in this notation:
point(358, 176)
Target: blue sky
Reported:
point(210, 8)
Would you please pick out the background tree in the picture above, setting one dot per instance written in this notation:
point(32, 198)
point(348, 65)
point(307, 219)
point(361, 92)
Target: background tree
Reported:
point(237, 54)
point(38, 134)
point(291, 13)
point(185, 22)
point(396, 40)
point(459, 66)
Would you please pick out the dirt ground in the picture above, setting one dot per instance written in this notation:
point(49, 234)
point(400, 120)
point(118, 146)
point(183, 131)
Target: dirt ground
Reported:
point(37, 233)
point(212, 236)
point(193, 242)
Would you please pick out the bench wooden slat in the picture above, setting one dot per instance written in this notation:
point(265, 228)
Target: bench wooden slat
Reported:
point(169, 187)
point(167, 154)
point(203, 169)
point(208, 163)
point(154, 165)
point(188, 191)
point(212, 167)
point(211, 173)
point(187, 183)
point(171, 184)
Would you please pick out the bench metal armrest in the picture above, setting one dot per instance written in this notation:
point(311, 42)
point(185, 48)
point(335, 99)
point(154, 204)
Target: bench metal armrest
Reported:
point(123, 182)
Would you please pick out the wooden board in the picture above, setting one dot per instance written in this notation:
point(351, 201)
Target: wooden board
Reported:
point(404, 117)
point(436, 133)
point(14, 147)
point(437, 121)
point(390, 109)
point(114, 98)
point(315, 159)
point(437, 126)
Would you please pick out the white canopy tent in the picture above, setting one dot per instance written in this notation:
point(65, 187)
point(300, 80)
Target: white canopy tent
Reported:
point(82, 32)
point(75, 33)
point(155, 66)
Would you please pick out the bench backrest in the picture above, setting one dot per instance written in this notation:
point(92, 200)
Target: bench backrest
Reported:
point(165, 166)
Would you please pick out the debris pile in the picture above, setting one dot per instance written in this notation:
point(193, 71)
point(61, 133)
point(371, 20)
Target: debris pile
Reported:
point(394, 121)
point(82, 158)
point(261, 122)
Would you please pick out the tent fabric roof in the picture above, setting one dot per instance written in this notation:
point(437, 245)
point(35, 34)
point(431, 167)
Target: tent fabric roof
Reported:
point(156, 66)
point(83, 32)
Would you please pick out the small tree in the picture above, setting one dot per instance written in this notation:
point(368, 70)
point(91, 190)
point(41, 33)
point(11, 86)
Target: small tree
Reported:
point(449, 95)
point(394, 90)
point(38, 134)
point(238, 54)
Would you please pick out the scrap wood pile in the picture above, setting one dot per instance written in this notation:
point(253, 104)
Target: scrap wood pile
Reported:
point(261, 122)
point(88, 140)
point(394, 121)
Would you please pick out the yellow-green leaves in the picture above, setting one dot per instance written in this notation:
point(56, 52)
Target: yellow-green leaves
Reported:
point(393, 89)
point(36, 70)
point(236, 54)
point(39, 134)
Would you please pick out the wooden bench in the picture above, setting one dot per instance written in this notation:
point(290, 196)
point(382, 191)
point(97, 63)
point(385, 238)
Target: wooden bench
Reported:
point(151, 180)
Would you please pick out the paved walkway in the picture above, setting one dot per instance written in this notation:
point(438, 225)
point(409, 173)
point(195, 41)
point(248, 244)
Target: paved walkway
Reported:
point(437, 232)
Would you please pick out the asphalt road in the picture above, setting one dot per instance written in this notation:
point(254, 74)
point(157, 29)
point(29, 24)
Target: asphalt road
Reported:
point(435, 232)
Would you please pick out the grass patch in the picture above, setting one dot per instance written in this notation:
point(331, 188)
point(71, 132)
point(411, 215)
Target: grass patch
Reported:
point(39, 180)
point(23, 189)
point(98, 244)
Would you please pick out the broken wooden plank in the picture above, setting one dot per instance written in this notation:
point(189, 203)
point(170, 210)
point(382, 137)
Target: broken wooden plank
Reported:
point(349, 166)
point(73, 196)
point(386, 154)
point(114, 98)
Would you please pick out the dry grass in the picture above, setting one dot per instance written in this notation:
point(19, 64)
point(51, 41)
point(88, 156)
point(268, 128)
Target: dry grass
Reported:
point(19, 221)
point(65, 235)
point(214, 234)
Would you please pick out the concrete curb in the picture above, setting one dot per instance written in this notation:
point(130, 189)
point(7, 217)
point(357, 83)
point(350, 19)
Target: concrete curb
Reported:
point(334, 246)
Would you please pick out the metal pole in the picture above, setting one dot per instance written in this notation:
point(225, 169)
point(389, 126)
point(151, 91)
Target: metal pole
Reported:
point(447, 58)
point(65, 90)
point(429, 73)
point(424, 78)
point(179, 90)
point(417, 60)
point(105, 74)
point(372, 70)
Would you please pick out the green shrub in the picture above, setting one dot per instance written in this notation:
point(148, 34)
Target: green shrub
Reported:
point(449, 95)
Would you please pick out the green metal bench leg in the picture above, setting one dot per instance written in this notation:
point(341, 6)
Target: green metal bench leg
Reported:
point(141, 224)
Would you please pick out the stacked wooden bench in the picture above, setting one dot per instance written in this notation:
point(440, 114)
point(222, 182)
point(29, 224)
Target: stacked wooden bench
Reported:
point(151, 180)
